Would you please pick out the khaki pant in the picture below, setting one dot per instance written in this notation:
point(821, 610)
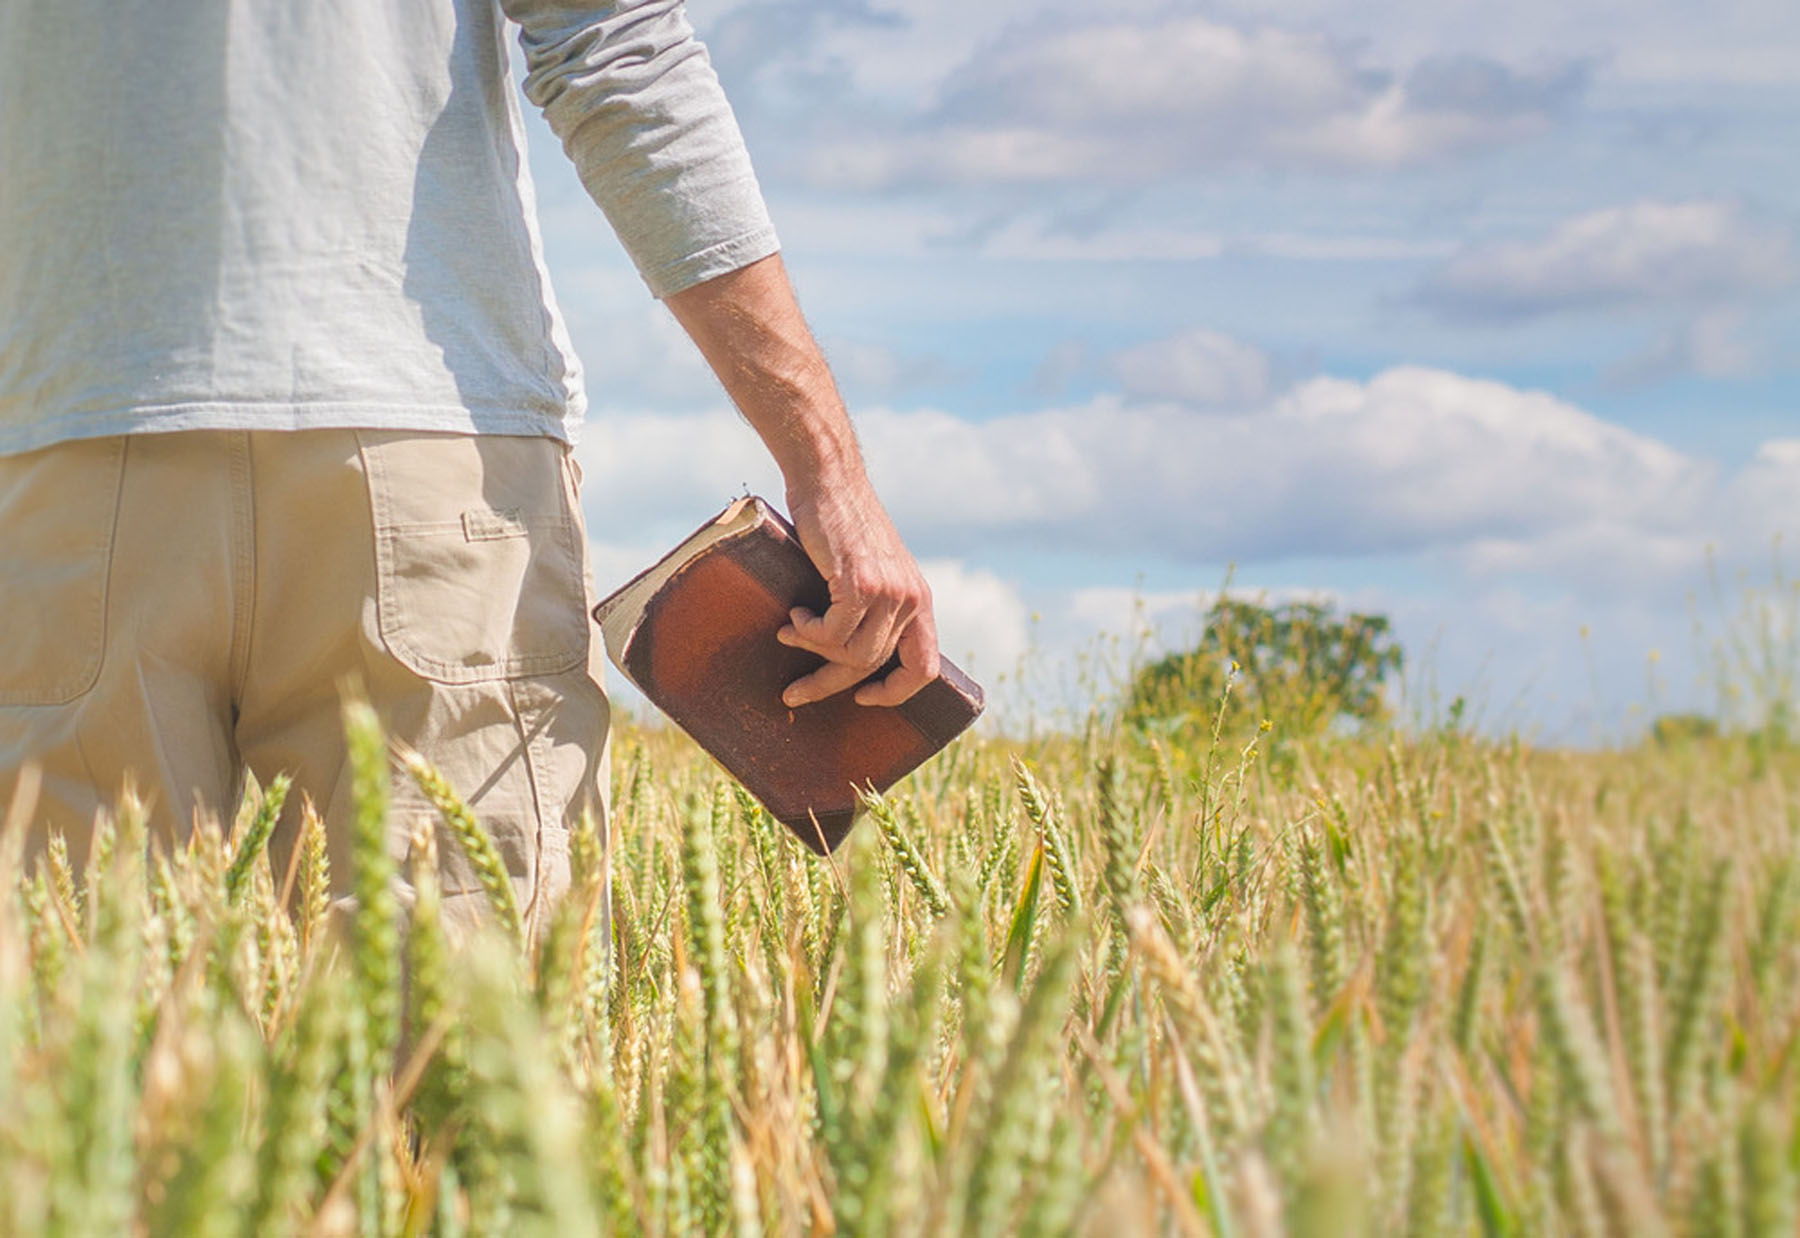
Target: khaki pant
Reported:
point(177, 608)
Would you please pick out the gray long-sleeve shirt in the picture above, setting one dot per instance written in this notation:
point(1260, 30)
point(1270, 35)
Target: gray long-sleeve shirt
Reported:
point(279, 214)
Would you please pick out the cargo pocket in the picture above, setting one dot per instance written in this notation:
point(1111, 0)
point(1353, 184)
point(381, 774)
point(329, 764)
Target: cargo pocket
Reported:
point(478, 557)
point(58, 509)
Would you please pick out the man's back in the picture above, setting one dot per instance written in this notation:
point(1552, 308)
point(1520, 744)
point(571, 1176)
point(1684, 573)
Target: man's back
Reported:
point(277, 216)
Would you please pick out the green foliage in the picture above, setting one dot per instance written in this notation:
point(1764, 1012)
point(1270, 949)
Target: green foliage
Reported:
point(1299, 665)
point(1671, 730)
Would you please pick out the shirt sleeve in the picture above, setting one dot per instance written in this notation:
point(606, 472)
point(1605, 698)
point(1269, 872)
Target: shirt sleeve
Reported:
point(630, 91)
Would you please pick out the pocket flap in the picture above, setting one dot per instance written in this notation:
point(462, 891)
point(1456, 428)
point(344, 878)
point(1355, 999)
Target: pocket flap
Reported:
point(478, 557)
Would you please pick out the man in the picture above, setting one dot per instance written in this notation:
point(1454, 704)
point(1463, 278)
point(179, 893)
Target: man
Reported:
point(285, 401)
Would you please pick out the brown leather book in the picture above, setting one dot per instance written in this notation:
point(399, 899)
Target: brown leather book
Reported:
point(696, 634)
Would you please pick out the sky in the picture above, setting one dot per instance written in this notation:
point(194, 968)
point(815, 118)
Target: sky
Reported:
point(1486, 318)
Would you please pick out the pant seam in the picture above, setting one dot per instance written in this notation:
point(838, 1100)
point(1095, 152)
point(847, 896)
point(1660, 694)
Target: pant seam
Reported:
point(519, 693)
point(243, 560)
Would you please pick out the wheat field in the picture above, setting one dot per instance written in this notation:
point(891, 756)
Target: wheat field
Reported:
point(1095, 983)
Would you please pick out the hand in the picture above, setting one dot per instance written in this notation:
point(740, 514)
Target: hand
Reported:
point(879, 599)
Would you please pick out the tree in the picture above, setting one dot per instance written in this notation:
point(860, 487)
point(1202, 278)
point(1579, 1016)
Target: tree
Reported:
point(1298, 665)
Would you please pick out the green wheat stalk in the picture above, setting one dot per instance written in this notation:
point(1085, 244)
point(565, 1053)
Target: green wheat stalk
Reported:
point(906, 853)
point(255, 838)
point(475, 842)
point(1042, 815)
point(375, 932)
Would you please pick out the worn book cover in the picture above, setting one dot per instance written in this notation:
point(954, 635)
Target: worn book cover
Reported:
point(696, 634)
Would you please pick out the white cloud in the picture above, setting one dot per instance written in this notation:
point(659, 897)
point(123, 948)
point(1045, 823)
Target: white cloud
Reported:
point(1656, 565)
point(1413, 458)
point(1602, 556)
point(1198, 367)
point(651, 478)
point(1132, 99)
point(615, 559)
point(1644, 254)
point(1760, 499)
point(982, 621)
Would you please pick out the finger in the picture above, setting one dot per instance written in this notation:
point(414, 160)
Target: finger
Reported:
point(802, 619)
point(832, 629)
point(918, 667)
point(869, 646)
point(873, 642)
point(788, 634)
point(805, 630)
point(857, 650)
point(896, 689)
point(828, 680)
point(923, 645)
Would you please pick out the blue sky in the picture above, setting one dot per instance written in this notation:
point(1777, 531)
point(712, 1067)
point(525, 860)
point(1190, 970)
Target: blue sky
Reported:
point(1485, 317)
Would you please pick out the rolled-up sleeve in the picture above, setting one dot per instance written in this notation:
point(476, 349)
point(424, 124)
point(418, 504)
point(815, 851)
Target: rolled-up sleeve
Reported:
point(633, 96)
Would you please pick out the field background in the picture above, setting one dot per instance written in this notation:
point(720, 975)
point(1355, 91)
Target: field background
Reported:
point(1098, 982)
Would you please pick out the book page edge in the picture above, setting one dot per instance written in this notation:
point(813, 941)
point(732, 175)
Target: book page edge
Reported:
point(621, 612)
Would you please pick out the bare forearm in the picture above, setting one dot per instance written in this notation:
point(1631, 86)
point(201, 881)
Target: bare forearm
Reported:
point(749, 327)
